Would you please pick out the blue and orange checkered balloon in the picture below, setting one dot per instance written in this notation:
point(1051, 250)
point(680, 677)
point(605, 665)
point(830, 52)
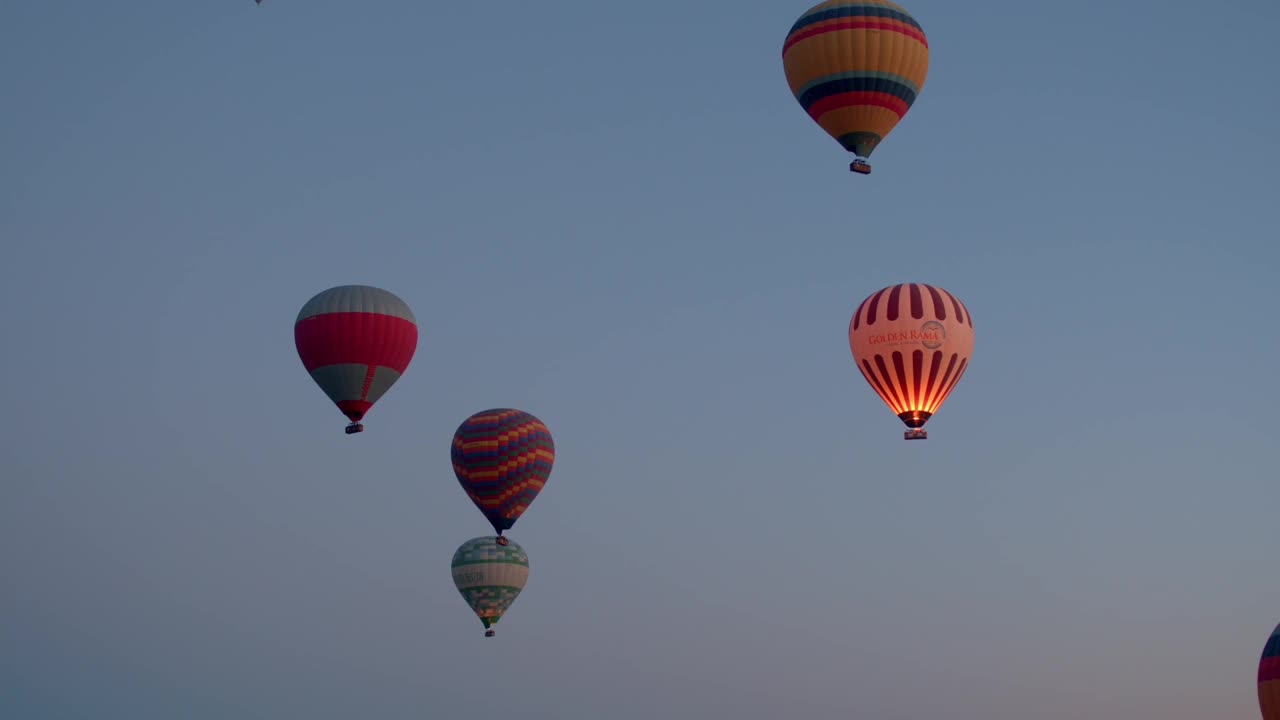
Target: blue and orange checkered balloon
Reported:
point(502, 458)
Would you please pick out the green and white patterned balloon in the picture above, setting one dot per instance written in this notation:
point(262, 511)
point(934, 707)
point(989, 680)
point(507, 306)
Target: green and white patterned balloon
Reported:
point(490, 576)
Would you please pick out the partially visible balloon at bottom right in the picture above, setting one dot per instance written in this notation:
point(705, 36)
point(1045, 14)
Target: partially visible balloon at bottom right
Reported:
point(1269, 678)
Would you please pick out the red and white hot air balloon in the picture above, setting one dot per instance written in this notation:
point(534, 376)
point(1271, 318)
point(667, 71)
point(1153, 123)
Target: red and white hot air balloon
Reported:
point(356, 342)
point(912, 343)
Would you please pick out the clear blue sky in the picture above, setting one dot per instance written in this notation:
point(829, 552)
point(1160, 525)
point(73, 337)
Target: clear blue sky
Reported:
point(617, 218)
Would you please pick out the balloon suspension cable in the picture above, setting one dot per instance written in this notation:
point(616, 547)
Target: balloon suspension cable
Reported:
point(915, 434)
point(354, 428)
point(503, 541)
point(861, 166)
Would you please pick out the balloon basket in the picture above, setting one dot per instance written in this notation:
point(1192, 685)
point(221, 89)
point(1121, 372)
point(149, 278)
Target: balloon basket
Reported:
point(489, 633)
point(860, 166)
point(915, 434)
point(354, 428)
point(503, 541)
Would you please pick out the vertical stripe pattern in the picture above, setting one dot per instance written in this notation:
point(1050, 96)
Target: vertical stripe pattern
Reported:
point(355, 341)
point(912, 343)
point(489, 576)
point(1269, 678)
point(502, 459)
point(856, 67)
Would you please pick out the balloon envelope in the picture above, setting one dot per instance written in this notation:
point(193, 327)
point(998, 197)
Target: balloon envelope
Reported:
point(355, 341)
point(912, 343)
point(856, 67)
point(502, 459)
point(490, 576)
point(1269, 678)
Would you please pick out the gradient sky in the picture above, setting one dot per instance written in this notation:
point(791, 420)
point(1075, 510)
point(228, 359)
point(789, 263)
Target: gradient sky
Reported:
point(618, 218)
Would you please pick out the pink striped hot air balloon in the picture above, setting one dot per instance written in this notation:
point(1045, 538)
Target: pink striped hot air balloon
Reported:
point(912, 343)
point(356, 342)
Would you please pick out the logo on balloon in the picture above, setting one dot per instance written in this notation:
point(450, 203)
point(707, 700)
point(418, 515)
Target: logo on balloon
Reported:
point(933, 334)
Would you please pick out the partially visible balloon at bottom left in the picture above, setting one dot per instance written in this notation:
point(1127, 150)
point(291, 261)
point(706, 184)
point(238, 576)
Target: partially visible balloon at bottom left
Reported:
point(490, 573)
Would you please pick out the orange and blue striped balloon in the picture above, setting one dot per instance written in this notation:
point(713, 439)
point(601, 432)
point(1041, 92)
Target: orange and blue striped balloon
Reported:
point(502, 458)
point(856, 66)
point(1269, 678)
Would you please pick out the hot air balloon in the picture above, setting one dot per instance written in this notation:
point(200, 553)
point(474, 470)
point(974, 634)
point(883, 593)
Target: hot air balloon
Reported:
point(502, 458)
point(1269, 678)
point(356, 341)
point(490, 576)
point(856, 66)
point(912, 343)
